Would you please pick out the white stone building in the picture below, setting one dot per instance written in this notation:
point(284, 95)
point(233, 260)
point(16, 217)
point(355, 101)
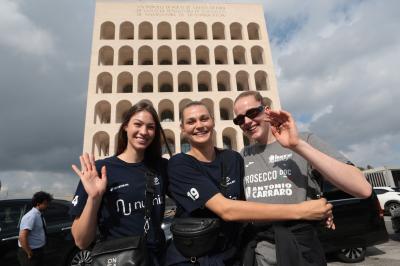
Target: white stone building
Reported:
point(170, 53)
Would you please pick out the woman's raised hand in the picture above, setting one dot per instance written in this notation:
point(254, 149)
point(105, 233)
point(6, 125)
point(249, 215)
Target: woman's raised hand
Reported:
point(94, 185)
point(283, 127)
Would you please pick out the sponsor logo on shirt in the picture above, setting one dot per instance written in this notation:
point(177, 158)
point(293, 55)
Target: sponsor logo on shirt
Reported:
point(125, 207)
point(229, 182)
point(75, 200)
point(118, 187)
point(193, 194)
point(156, 181)
point(279, 158)
point(248, 164)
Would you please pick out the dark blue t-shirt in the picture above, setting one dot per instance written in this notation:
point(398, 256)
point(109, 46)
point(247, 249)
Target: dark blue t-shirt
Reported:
point(192, 183)
point(122, 209)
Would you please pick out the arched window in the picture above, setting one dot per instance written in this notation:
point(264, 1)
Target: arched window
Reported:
point(104, 83)
point(124, 84)
point(226, 109)
point(170, 136)
point(200, 31)
point(236, 31)
point(126, 31)
point(101, 144)
point(223, 81)
point(165, 82)
point(221, 55)
point(239, 55)
point(102, 113)
point(204, 81)
point(218, 30)
point(257, 55)
point(254, 31)
point(125, 56)
point(164, 55)
point(185, 82)
point(261, 79)
point(164, 31)
point(229, 138)
point(202, 55)
point(145, 82)
point(145, 55)
point(182, 31)
point(122, 108)
point(183, 55)
point(145, 31)
point(242, 81)
point(106, 56)
point(107, 31)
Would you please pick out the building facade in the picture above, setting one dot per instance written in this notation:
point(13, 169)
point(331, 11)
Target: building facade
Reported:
point(170, 53)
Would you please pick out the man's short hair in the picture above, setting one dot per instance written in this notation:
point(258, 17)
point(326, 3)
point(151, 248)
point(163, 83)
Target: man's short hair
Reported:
point(255, 94)
point(40, 197)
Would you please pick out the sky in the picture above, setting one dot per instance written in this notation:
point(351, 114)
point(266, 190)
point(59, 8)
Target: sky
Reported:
point(336, 64)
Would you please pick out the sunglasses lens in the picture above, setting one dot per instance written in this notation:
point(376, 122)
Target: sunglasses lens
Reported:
point(252, 113)
point(239, 120)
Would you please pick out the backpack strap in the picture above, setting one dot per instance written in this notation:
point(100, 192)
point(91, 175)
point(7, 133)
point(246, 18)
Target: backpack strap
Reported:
point(149, 195)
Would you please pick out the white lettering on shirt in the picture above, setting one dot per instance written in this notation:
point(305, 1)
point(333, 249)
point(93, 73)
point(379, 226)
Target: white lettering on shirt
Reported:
point(193, 194)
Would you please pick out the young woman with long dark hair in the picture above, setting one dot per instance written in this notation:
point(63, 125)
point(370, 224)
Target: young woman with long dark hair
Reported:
point(111, 192)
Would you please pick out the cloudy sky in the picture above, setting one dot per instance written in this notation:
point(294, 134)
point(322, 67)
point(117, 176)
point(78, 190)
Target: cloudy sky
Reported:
point(336, 64)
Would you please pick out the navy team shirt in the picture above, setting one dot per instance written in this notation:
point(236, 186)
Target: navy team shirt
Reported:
point(122, 208)
point(192, 183)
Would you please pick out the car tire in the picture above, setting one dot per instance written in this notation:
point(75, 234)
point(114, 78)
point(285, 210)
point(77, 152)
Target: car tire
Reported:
point(79, 258)
point(392, 206)
point(352, 255)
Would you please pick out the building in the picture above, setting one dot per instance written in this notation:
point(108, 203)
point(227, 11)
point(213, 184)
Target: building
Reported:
point(383, 176)
point(171, 53)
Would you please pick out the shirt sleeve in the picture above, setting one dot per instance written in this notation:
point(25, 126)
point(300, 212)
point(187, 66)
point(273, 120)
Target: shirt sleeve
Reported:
point(189, 185)
point(27, 222)
point(78, 202)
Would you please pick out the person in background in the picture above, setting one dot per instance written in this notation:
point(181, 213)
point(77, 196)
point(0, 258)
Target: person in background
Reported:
point(111, 191)
point(32, 231)
point(288, 165)
point(195, 185)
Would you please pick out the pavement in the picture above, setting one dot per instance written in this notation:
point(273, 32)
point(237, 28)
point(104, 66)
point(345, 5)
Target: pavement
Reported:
point(386, 254)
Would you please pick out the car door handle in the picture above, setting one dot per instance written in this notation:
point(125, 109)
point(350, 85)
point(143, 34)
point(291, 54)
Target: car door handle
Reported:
point(66, 228)
point(9, 238)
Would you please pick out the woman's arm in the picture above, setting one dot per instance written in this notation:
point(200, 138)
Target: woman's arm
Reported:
point(346, 177)
point(84, 227)
point(237, 210)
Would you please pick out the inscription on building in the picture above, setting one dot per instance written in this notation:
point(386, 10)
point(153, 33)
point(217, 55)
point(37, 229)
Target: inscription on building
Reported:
point(153, 10)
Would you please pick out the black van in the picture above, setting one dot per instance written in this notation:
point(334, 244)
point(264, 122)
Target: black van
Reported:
point(60, 249)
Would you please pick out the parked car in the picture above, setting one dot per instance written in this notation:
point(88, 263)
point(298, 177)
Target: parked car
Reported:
point(60, 249)
point(359, 224)
point(389, 198)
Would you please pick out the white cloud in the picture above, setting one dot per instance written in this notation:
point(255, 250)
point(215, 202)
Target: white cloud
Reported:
point(23, 184)
point(20, 33)
point(339, 70)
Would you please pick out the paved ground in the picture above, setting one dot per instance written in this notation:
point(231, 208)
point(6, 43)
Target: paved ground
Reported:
point(387, 254)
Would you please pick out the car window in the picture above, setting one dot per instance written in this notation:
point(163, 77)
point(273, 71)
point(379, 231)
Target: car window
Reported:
point(379, 191)
point(10, 215)
point(57, 213)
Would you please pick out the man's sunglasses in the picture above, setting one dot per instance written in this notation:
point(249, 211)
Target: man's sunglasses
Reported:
point(251, 113)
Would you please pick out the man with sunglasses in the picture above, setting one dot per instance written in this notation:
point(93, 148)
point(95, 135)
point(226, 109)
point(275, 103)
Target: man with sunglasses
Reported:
point(280, 167)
